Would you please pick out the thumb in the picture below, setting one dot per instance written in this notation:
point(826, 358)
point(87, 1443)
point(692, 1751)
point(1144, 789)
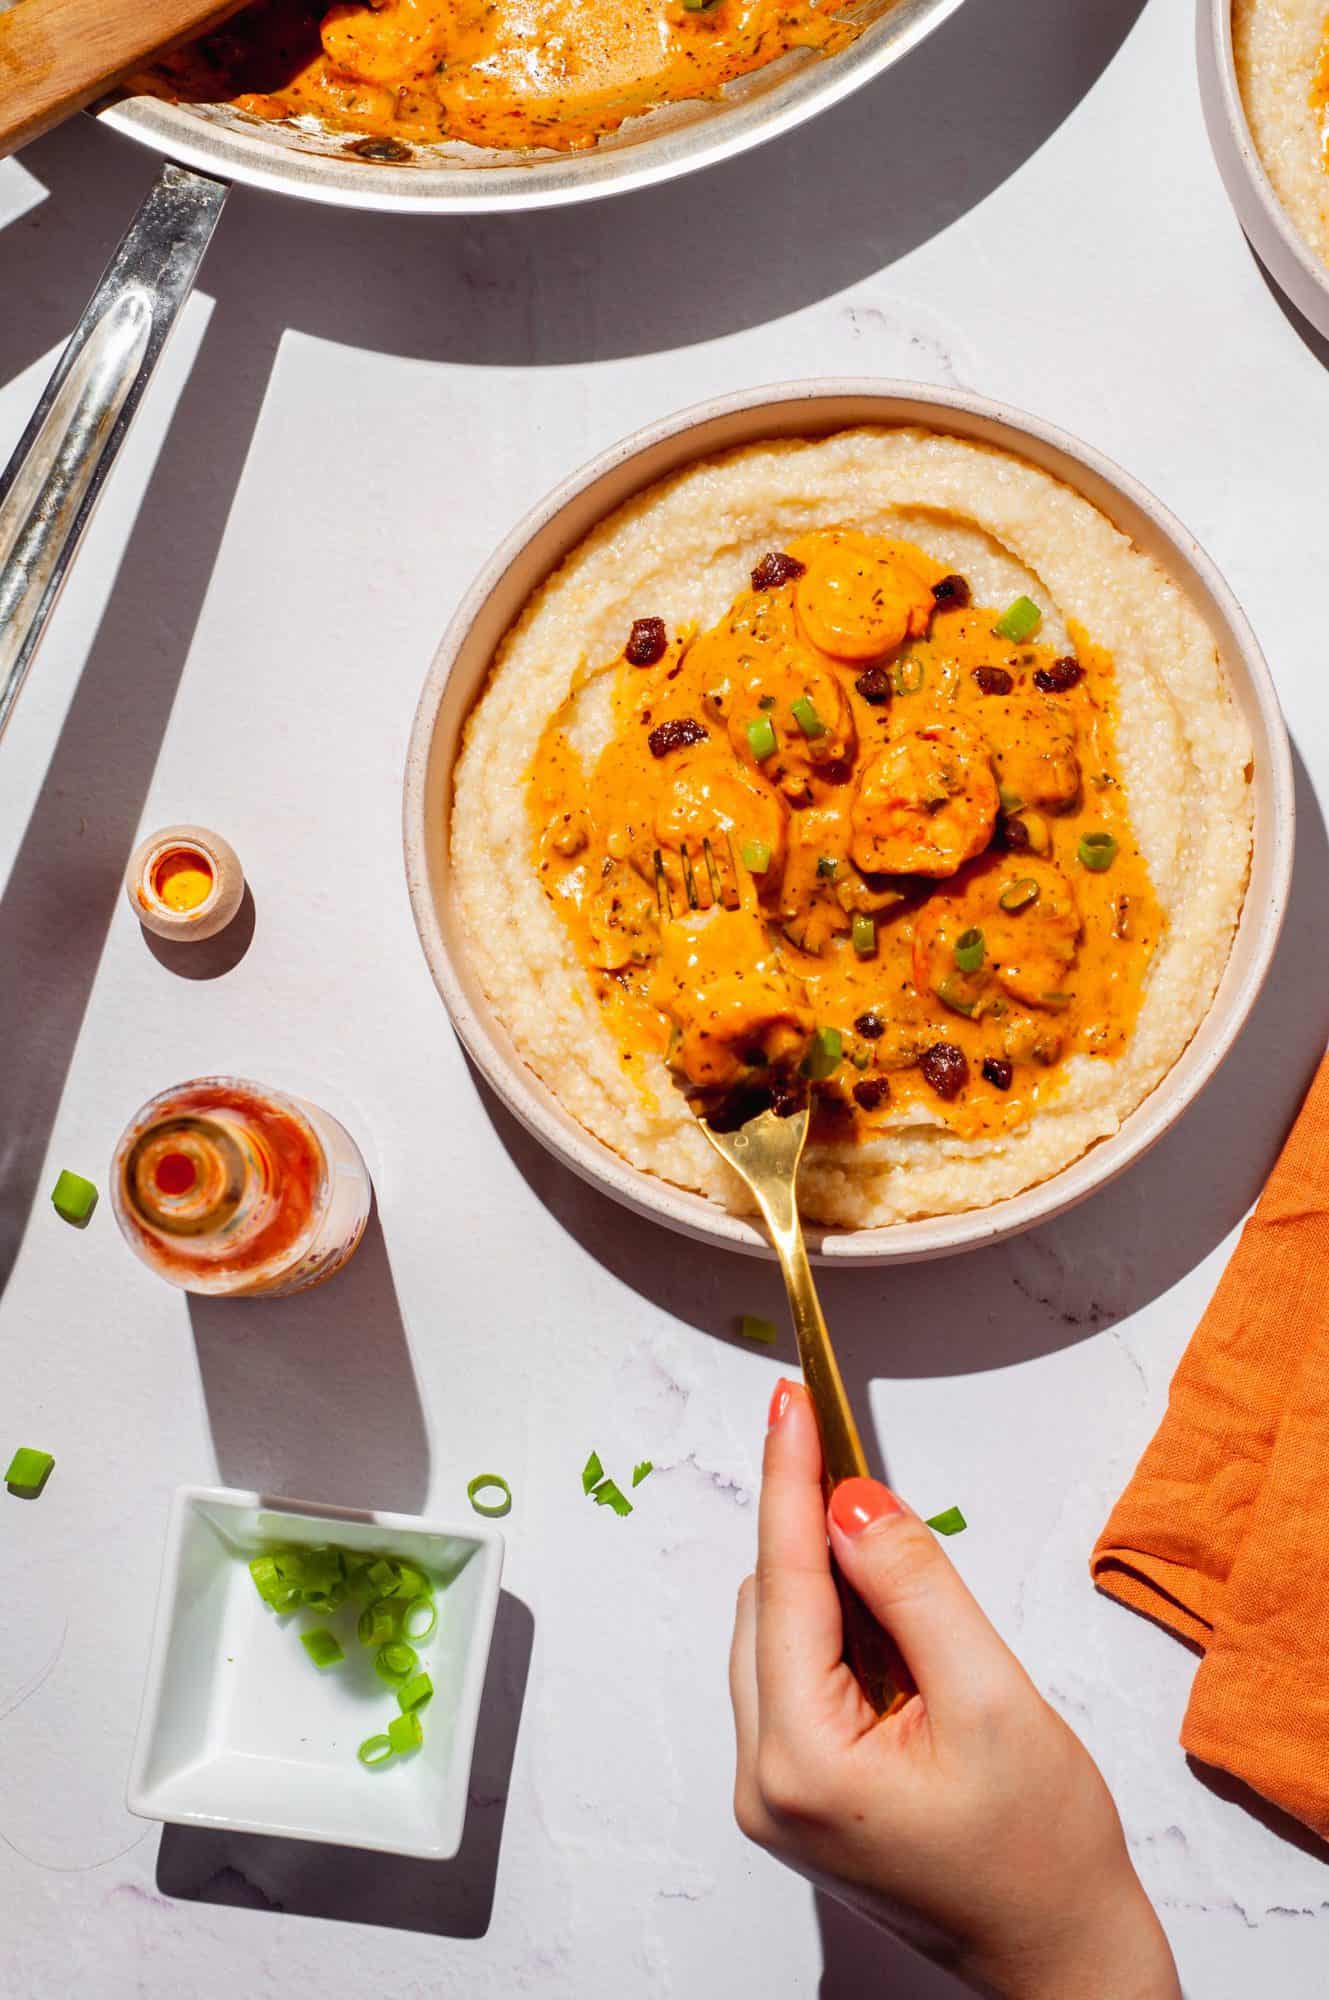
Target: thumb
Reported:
point(895, 1563)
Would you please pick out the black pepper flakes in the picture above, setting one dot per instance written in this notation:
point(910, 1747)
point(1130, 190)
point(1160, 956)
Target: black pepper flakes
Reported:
point(675, 735)
point(1062, 674)
point(776, 568)
point(646, 642)
point(874, 684)
point(945, 1069)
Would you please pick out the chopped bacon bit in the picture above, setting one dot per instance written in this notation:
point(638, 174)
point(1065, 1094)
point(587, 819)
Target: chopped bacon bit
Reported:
point(646, 642)
point(998, 1072)
point(675, 735)
point(993, 680)
point(871, 1092)
point(1062, 674)
point(874, 684)
point(944, 1069)
point(951, 593)
point(775, 569)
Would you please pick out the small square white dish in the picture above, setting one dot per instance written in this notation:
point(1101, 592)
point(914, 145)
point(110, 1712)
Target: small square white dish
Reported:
point(239, 1728)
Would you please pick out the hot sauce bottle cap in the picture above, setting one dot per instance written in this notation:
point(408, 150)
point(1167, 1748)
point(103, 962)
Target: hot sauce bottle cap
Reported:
point(184, 882)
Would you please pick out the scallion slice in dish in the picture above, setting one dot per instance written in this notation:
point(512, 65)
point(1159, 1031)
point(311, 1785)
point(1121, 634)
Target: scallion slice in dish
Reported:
point(1019, 621)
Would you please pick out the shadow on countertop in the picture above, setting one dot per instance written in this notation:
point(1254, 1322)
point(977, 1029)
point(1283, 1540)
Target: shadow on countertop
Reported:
point(348, 1885)
point(314, 1397)
point(1055, 1285)
point(859, 1960)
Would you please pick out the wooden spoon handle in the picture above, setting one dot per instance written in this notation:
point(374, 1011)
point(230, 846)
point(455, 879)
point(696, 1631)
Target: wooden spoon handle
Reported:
point(57, 55)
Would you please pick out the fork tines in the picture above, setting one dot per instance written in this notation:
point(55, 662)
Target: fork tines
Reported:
point(720, 889)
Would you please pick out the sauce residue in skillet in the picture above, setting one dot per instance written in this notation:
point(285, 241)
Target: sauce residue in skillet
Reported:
point(892, 846)
point(509, 74)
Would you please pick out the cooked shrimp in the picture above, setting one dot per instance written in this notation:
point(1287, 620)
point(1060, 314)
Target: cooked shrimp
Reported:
point(387, 43)
point(858, 598)
point(720, 982)
point(1021, 923)
point(926, 804)
point(1033, 748)
point(710, 798)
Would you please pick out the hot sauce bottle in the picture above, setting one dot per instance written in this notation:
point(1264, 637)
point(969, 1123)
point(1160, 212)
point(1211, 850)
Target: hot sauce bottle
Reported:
point(227, 1187)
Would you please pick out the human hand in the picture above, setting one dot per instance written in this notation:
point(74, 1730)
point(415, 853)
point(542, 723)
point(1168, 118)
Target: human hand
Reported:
point(972, 1821)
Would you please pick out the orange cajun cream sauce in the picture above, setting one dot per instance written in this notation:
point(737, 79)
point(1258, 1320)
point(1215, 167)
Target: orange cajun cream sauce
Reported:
point(496, 73)
point(907, 874)
point(1320, 95)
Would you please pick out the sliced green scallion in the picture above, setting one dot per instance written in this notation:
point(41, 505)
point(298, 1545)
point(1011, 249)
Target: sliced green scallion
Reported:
point(28, 1471)
point(826, 867)
point(323, 1647)
point(761, 737)
point(949, 1522)
point(753, 1327)
point(396, 1663)
point(484, 1482)
point(909, 675)
point(73, 1198)
point(952, 994)
point(405, 1733)
point(1011, 802)
point(969, 950)
point(807, 718)
point(642, 1471)
point(414, 1693)
point(412, 1629)
point(823, 1057)
point(592, 1473)
point(376, 1750)
point(607, 1494)
point(1019, 621)
point(864, 935)
point(378, 1623)
point(1096, 852)
point(1020, 894)
point(756, 856)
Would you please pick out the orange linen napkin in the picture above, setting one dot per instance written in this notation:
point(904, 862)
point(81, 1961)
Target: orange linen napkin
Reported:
point(1223, 1533)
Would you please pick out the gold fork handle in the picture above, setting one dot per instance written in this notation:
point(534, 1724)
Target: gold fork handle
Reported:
point(870, 1653)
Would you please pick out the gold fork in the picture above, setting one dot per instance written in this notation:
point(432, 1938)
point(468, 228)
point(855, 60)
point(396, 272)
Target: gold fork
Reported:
point(765, 1153)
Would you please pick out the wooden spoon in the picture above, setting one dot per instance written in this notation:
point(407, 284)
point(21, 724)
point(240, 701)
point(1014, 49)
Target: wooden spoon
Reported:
point(58, 55)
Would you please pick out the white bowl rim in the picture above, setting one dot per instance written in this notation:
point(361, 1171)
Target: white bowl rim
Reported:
point(1243, 171)
point(530, 1101)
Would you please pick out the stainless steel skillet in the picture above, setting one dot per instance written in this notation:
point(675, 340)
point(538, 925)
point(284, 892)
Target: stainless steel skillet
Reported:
point(51, 484)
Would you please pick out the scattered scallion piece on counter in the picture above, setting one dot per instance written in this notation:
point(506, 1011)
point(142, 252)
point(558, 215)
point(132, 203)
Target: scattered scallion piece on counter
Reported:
point(375, 1750)
point(642, 1471)
point(753, 1327)
point(414, 1693)
point(410, 1625)
point(607, 1494)
point(73, 1198)
point(323, 1647)
point(28, 1471)
point(805, 715)
point(1019, 621)
point(823, 1057)
point(483, 1483)
point(761, 737)
point(396, 1662)
point(405, 1733)
point(1096, 852)
point(949, 1522)
point(592, 1473)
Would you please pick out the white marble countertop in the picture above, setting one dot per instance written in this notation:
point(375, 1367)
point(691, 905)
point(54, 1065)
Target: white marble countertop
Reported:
point(352, 414)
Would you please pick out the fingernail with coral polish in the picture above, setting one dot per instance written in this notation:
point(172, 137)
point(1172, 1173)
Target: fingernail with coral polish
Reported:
point(780, 1401)
point(857, 1503)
